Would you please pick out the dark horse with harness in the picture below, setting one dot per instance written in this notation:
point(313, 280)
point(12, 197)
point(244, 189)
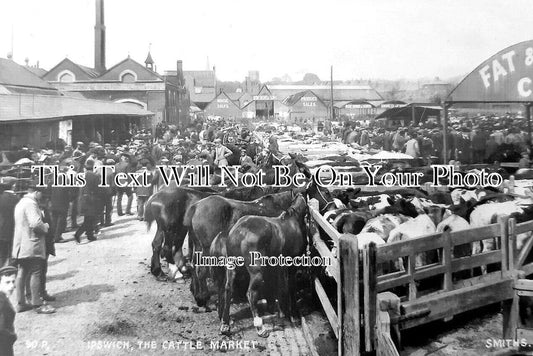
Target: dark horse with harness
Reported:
point(260, 236)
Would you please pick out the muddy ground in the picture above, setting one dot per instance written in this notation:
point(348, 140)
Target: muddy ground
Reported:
point(108, 303)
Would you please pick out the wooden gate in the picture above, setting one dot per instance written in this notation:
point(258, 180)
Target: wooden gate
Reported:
point(344, 318)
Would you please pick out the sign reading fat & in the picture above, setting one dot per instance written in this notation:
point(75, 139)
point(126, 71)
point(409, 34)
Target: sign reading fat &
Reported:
point(505, 77)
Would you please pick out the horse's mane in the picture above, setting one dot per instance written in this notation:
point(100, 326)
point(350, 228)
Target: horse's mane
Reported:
point(294, 209)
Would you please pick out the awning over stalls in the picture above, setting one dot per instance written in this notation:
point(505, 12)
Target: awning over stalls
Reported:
point(420, 114)
point(28, 108)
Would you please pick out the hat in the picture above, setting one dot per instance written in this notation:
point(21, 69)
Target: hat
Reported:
point(89, 163)
point(8, 270)
point(34, 186)
point(109, 161)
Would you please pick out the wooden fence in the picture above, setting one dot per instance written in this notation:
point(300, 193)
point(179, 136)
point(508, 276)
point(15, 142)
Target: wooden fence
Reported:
point(345, 317)
point(368, 317)
point(449, 291)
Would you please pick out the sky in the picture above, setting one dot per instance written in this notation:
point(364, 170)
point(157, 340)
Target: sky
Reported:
point(386, 39)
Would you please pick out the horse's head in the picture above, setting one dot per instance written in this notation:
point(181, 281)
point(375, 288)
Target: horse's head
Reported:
point(299, 206)
point(296, 164)
point(199, 287)
point(323, 195)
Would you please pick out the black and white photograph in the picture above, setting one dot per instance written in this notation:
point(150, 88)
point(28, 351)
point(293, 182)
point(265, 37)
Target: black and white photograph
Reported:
point(276, 178)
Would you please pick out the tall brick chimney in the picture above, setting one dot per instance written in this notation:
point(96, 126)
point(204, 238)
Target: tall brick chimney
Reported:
point(99, 38)
point(179, 72)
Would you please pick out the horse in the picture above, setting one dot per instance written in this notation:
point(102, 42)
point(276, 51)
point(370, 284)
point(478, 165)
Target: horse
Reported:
point(167, 207)
point(285, 235)
point(215, 214)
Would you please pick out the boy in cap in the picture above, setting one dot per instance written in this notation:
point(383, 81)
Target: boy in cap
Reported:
point(8, 337)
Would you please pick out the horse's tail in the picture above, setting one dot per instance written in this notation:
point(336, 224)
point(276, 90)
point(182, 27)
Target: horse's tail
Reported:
point(218, 246)
point(187, 218)
point(152, 209)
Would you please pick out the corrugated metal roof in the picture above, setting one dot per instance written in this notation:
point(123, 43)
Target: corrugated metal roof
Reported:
point(14, 74)
point(340, 92)
point(293, 99)
point(342, 104)
point(15, 108)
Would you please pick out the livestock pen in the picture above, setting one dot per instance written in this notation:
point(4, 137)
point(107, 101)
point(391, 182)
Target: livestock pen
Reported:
point(374, 304)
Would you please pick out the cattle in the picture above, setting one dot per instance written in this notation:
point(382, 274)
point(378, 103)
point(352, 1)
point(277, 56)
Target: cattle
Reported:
point(487, 214)
point(424, 224)
point(285, 235)
point(382, 225)
point(353, 221)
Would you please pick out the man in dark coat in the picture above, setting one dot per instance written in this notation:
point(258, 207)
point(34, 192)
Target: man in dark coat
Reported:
point(108, 193)
point(89, 202)
point(8, 200)
point(7, 312)
point(59, 203)
point(144, 192)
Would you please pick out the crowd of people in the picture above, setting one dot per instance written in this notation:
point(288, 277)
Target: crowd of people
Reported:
point(472, 141)
point(33, 218)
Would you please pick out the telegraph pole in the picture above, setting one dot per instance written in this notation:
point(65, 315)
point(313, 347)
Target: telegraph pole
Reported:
point(332, 110)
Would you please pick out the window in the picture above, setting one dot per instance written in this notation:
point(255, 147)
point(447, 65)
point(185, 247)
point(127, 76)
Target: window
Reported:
point(66, 77)
point(128, 78)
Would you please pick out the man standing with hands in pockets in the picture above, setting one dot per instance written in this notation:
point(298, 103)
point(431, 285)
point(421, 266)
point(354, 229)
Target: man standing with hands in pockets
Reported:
point(29, 250)
point(221, 153)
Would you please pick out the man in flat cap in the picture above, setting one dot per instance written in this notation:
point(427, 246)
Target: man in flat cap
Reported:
point(8, 337)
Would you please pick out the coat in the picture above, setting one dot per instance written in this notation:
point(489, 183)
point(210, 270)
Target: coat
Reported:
point(30, 231)
point(145, 191)
point(60, 199)
point(7, 327)
point(91, 195)
point(8, 201)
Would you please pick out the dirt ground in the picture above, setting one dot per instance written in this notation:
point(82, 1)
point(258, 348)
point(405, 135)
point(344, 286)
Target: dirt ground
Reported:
point(108, 303)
